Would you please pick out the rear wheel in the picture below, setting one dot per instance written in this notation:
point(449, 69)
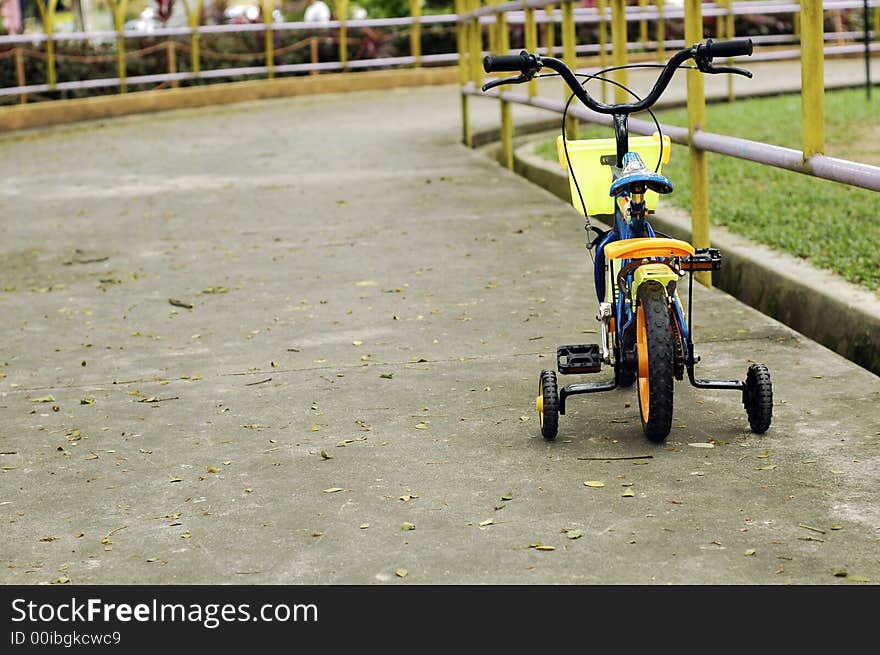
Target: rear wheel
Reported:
point(759, 398)
point(547, 404)
point(656, 356)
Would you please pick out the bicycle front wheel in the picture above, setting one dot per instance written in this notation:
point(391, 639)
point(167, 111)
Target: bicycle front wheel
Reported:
point(655, 354)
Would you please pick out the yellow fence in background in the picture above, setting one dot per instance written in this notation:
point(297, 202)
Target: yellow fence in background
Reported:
point(48, 10)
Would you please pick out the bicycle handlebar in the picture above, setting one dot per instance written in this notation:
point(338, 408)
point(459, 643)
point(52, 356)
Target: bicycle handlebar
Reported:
point(732, 48)
point(702, 53)
point(512, 63)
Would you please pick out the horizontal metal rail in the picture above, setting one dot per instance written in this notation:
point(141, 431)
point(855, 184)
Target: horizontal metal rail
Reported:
point(226, 29)
point(514, 10)
point(821, 166)
point(442, 58)
point(769, 39)
point(228, 72)
point(487, 13)
point(330, 66)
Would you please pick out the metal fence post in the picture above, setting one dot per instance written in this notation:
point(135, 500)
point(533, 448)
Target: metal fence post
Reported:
point(342, 17)
point(602, 8)
point(171, 55)
point(729, 33)
point(531, 43)
point(723, 31)
point(476, 46)
point(812, 78)
point(415, 31)
point(506, 110)
point(493, 28)
point(569, 55)
point(867, 37)
point(837, 23)
point(266, 6)
point(699, 172)
point(193, 18)
point(313, 52)
point(549, 31)
point(462, 39)
point(661, 32)
point(618, 48)
point(503, 36)
point(47, 17)
point(19, 72)
point(568, 33)
point(643, 26)
point(118, 9)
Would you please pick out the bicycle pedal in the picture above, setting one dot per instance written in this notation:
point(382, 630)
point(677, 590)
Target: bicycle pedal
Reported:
point(582, 358)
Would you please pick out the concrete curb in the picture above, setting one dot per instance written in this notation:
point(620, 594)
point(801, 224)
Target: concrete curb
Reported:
point(815, 302)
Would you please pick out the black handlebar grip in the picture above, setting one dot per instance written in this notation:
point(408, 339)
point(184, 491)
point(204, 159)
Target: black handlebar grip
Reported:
point(493, 63)
point(731, 48)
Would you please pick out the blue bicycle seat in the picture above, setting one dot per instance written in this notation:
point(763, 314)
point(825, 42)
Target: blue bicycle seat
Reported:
point(634, 171)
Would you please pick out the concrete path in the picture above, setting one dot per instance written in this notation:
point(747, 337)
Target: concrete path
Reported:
point(371, 304)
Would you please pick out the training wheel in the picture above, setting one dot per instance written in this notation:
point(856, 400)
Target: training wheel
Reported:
point(547, 404)
point(758, 398)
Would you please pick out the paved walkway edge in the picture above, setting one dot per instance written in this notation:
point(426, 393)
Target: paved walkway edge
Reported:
point(816, 303)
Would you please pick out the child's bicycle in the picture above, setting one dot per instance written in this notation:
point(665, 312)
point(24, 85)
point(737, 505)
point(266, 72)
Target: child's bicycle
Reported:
point(644, 335)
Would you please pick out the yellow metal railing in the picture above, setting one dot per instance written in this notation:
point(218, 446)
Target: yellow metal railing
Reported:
point(47, 16)
point(602, 7)
point(810, 25)
point(661, 31)
point(266, 7)
point(503, 44)
point(726, 30)
point(618, 46)
point(612, 45)
point(531, 42)
point(569, 56)
point(342, 11)
point(812, 78)
point(193, 13)
point(549, 32)
point(696, 105)
point(415, 31)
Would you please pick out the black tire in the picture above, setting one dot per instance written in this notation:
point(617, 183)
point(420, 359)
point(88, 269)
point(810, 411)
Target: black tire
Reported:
point(629, 371)
point(548, 404)
point(759, 398)
point(656, 361)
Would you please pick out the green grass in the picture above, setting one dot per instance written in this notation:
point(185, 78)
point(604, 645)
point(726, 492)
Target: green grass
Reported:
point(832, 225)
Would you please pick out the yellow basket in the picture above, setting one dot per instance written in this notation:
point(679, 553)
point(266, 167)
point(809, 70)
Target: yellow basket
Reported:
point(594, 177)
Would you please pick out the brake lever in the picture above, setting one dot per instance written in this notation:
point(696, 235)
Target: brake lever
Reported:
point(728, 69)
point(507, 80)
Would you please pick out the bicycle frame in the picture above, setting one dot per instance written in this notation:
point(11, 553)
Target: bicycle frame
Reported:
point(636, 272)
point(631, 222)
